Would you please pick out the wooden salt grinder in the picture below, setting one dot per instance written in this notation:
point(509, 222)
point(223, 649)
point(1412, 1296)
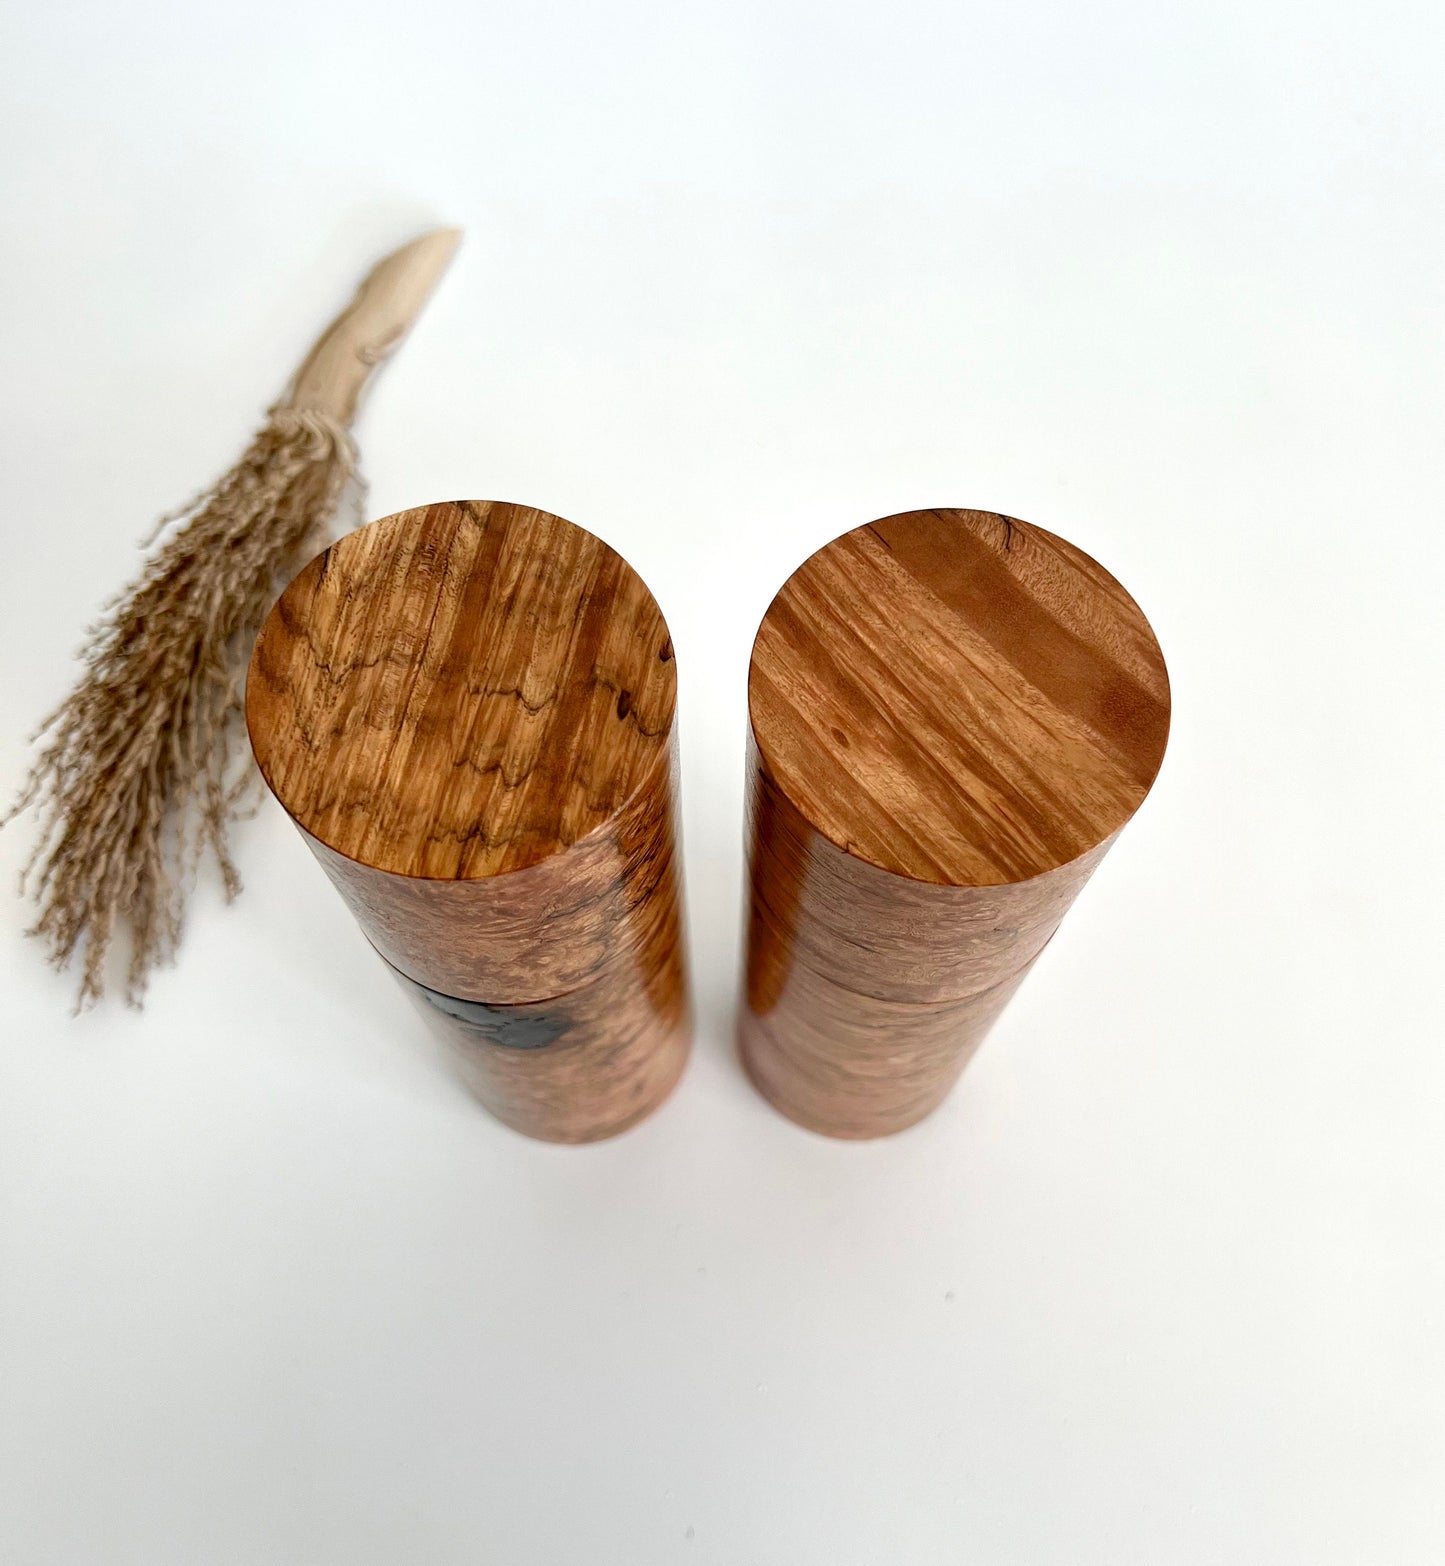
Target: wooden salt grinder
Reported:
point(468, 709)
point(953, 715)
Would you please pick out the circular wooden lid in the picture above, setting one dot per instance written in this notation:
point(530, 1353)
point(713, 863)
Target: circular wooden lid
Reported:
point(958, 697)
point(461, 690)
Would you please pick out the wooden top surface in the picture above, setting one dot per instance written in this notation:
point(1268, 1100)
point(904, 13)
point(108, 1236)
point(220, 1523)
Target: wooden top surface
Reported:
point(958, 697)
point(461, 690)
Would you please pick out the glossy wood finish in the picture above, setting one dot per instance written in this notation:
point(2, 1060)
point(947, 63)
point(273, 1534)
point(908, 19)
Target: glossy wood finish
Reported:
point(467, 689)
point(468, 709)
point(851, 1066)
point(613, 1050)
point(953, 715)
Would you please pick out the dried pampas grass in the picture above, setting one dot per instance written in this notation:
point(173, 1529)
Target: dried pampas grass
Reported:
point(138, 778)
point(140, 772)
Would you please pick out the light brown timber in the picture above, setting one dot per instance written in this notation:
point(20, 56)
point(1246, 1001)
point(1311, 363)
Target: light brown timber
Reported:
point(953, 715)
point(468, 709)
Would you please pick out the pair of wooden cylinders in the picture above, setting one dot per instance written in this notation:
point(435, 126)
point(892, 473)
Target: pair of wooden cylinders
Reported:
point(468, 709)
point(953, 715)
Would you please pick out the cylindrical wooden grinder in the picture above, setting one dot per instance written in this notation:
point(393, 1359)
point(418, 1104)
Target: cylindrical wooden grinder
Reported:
point(468, 710)
point(953, 715)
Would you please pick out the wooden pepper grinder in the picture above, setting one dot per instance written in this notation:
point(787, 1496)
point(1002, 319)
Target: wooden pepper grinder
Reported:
point(468, 709)
point(953, 715)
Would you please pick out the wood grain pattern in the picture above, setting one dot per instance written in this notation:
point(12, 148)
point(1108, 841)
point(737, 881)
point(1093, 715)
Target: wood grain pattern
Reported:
point(468, 709)
point(859, 1067)
point(614, 891)
point(465, 689)
point(953, 715)
point(618, 1044)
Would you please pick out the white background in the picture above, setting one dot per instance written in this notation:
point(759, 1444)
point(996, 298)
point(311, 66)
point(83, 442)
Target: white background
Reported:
point(1163, 1281)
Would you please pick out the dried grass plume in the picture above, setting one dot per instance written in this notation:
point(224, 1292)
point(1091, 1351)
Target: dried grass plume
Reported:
point(141, 768)
point(137, 777)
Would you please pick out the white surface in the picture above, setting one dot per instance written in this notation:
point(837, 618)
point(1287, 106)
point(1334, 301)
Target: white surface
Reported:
point(1163, 1281)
